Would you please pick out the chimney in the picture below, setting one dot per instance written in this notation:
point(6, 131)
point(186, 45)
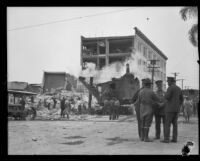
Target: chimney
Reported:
point(127, 69)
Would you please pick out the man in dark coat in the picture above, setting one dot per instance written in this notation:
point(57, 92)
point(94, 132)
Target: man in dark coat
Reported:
point(147, 100)
point(159, 109)
point(137, 107)
point(54, 101)
point(22, 102)
point(62, 106)
point(174, 100)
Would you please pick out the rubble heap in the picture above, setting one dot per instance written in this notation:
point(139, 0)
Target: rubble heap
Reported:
point(44, 105)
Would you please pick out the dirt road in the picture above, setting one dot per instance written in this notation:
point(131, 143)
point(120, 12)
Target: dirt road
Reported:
point(96, 135)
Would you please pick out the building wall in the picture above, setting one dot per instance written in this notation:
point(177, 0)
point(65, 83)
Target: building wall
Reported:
point(53, 81)
point(147, 53)
point(138, 45)
point(101, 52)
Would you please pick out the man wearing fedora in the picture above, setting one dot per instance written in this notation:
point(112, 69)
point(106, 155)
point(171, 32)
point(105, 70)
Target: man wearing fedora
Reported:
point(174, 100)
point(159, 109)
point(147, 99)
point(137, 107)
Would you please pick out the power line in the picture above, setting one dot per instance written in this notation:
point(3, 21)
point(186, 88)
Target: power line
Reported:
point(65, 20)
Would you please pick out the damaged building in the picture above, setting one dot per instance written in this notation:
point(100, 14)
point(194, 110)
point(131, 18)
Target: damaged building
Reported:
point(36, 88)
point(103, 51)
point(58, 80)
point(15, 85)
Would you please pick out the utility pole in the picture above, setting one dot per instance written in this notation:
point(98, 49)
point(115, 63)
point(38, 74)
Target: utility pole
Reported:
point(175, 74)
point(153, 63)
point(90, 95)
point(181, 82)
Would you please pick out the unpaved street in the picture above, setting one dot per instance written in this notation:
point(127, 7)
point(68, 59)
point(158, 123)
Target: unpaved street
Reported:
point(96, 135)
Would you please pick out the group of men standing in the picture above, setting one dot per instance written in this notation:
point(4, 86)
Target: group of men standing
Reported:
point(111, 103)
point(164, 106)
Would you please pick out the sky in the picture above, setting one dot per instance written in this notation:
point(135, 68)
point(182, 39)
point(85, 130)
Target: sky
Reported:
point(55, 46)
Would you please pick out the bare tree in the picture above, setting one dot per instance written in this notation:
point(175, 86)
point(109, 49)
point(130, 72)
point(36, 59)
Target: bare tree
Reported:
point(187, 13)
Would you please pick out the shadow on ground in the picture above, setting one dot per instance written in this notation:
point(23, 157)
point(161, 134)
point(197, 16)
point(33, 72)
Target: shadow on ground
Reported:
point(73, 142)
point(128, 118)
point(117, 140)
point(74, 137)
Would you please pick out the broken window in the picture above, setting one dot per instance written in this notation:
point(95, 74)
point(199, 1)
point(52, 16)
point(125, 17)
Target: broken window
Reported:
point(150, 55)
point(139, 46)
point(120, 45)
point(145, 52)
point(102, 62)
point(89, 48)
point(89, 60)
point(115, 59)
point(102, 47)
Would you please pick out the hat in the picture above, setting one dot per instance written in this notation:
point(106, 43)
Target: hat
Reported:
point(147, 81)
point(159, 82)
point(170, 79)
point(143, 80)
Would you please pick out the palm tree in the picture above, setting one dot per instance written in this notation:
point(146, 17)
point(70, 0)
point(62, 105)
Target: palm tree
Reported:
point(187, 13)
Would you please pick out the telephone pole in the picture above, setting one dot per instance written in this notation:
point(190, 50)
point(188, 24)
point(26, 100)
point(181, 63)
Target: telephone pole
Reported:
point(181, 82)
point(153, 63)
point(175, 74)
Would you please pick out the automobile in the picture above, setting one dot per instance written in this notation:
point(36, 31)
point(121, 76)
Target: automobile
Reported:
point(17, 111)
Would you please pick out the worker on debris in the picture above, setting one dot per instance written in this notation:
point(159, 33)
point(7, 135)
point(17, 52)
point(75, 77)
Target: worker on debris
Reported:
point(79, 102)
point(67, 109)
point(159, 109)
point(137, 107)
point(33, 108)
point(147, 99)
point(174, 100)
point(116, 107)
point(62, 106)
point(39, 103)
point(54, 101)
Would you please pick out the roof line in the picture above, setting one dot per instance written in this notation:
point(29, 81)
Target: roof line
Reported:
point(55, 72)
point(140, 34)
point(107, 37)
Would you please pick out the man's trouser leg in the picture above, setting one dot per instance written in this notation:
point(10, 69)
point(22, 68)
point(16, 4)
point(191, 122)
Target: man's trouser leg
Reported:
point(175, 126)
point(110, 110)
point(147, 125)
point(113, 112)
point(168, 121)
point(117, 112)
point(137, 111)
point(163, 122)
point(61, 113)
point(142, 132)
point(157, 126)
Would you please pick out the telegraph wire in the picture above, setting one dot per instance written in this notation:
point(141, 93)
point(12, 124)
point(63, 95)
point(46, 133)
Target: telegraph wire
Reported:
point(69, 19)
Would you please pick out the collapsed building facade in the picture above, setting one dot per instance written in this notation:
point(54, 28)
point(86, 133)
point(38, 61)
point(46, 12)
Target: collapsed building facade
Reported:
point(103, 51)
point(58, 80)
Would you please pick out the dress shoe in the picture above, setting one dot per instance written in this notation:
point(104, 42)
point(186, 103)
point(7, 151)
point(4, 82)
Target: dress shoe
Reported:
point(148, 140)
point(156, 138)
point(165, 141)
point(173, 141)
